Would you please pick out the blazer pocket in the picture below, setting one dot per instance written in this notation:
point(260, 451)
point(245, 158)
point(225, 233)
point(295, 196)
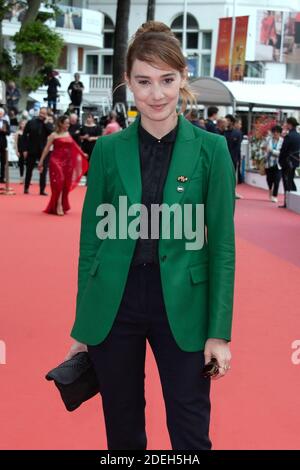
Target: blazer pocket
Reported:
point(94, 268)
point(199, 273)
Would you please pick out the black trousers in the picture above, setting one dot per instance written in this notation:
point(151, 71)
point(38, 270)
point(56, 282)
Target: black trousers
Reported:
point(21, 164)
point(119, 362)
point(288, 175)
point(273, 176)
point(30, 164)
point(2, 163)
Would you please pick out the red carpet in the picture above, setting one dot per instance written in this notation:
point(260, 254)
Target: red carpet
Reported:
point(255, 407)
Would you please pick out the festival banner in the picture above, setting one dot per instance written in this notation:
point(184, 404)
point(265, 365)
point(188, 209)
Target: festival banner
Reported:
point(239, 48)
point(223, 49)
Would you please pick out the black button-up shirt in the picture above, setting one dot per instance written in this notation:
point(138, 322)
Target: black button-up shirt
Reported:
point(155, 157)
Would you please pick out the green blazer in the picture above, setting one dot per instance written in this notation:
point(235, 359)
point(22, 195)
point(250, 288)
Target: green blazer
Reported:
point(197, 284)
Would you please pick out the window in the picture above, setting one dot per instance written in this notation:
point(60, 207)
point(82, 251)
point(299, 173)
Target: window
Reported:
point(205, 65)
point(254, 69)
point(108, 40)
point(92, 64)
point(108, 24)
point(193, 66)
point(80, 59)
point(63, 59)
point(192, 40)
point(206, 40)
point(179, 37)
point(191, 22)
point(198, 45)
point(192, 30)
point(107, 65)
point(108, 33)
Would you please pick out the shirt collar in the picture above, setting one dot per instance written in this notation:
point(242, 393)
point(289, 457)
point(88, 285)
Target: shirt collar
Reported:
point(148, 138)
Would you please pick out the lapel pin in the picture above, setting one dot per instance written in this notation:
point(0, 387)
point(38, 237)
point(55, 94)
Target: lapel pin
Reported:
point(182, 179)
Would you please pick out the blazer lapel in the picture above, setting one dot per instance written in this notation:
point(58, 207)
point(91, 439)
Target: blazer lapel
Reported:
point(128, 162)
point(183, 162)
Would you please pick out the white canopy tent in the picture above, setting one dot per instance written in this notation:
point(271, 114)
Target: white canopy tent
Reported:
point(212, 91)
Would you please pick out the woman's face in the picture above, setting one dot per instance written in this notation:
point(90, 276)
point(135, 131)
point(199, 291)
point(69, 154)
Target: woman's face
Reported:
point(155, 90)
point(65, 126)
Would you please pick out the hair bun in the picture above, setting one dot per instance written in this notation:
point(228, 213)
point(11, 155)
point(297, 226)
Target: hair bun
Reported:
point(153, 27)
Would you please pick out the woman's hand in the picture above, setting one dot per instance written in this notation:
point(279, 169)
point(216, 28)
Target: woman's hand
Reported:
point(40, 167)
point(75, 348)
point(218, 348)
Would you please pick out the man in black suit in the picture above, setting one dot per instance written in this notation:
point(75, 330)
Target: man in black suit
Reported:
point(74, 129)
point(212, 116)
point(4, 131)
point(35, 135)
point(234, 139)
point(289, 158)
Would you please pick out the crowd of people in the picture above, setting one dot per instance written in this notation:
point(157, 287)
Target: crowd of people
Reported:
point(61, 143)
point(75, 92)
point(281, 149)
point(32, 137)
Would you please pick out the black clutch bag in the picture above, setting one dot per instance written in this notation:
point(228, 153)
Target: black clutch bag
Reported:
point(76, 380)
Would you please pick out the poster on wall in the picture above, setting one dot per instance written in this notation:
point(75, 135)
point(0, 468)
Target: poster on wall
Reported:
point(69, 18)
point(239, 48)
point(291, 38)
point(16, 12)
point(223, 49)
point(80, 19)
point(269, 31)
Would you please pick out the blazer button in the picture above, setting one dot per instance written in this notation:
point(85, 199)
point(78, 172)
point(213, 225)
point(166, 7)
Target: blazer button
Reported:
point(163, 258)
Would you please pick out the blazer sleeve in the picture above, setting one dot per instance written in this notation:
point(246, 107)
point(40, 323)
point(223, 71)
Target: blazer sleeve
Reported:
point(89, 242)
point(219, 219)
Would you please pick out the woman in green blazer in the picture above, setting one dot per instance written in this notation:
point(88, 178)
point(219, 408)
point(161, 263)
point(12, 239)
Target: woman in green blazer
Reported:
point(172, 286)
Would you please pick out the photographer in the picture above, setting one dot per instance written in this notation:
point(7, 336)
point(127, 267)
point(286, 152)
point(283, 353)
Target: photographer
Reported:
point(53, 83)
point(75, 91)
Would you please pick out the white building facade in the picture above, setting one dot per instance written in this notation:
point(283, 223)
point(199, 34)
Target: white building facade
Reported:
point(82, 33)
point(89, 44)
point(202, 33)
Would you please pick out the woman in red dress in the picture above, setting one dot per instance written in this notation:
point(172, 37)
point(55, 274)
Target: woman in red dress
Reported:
point(67, 165)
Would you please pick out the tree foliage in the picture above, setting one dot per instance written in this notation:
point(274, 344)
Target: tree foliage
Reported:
point(40, 46)
point(37, 46)
point(38, 39)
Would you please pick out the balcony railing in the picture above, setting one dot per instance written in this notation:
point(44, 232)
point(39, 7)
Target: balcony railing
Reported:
point(100, 82)
point(254, 80)
point(292, 82)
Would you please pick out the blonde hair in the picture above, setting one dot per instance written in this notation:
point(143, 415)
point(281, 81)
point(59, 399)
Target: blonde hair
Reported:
point(155, 43)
